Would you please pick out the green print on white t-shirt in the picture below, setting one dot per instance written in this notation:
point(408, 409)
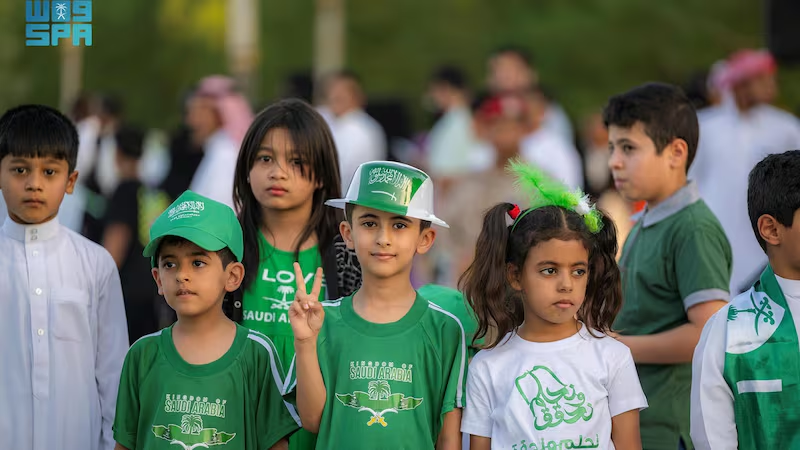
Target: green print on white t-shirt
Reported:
point(550, 400)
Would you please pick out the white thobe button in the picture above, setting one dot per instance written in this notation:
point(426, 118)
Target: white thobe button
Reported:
point(40, 332)
point(38, 291)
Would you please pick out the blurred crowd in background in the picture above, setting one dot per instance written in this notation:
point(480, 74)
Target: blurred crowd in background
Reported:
point(129, 175)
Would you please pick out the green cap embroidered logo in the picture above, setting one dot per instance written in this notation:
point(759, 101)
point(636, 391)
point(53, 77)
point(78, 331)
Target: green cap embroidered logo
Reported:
point(186, 209)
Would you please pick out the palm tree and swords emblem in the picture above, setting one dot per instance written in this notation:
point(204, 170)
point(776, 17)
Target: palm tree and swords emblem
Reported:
point(61, 11)
point(283, 303)
point(378, 401)
point(191, 434)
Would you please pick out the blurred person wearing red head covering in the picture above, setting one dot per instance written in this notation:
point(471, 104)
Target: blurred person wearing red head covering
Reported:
point(502, 122)
point(218, 116)
point(734, 136)
point(510, 70)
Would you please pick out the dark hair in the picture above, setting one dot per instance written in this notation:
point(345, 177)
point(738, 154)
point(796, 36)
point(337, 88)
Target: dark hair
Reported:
point(225, 255)
point(663, 109)
point(774, 188)
point(313, 142)
point(130, 141)
point(451, 76)
point(38, 131)
point(349, 207)
point(523, 54)
point(485, 282)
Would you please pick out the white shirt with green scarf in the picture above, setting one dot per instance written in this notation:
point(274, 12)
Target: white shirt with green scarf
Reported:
point(713, 414)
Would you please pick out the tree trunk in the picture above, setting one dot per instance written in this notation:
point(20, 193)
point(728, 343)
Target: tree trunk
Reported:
point(242, 44)
point(329, 41)
point(71, 74)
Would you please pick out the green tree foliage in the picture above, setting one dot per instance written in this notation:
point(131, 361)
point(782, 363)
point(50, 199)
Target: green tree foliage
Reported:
point(150, 51)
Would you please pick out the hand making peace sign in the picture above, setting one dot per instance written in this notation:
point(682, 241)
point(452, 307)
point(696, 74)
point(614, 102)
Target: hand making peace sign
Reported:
point(306, 314)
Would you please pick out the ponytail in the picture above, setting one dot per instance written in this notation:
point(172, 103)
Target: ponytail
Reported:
point(485, 283)
point(604, 289)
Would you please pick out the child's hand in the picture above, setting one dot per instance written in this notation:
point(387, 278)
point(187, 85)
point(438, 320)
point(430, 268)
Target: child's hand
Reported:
point(306, 314)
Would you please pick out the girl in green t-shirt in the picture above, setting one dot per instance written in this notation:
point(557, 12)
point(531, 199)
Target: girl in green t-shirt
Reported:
point(287, 168)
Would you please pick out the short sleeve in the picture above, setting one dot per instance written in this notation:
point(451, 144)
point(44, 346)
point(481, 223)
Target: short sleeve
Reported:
point(624, 390)
point(121, 207)
point(454, 354)
point(475, 419)
point(703, 265)
point(126, 419)
point(275, 418)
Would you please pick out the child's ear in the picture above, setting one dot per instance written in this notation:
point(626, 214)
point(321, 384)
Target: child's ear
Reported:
point(157, 278)
point(71, 180)
point(678, 153)
point(512, 275)
point(347, 234)
point(426, 239)
point(235, 272)
point(769, 229)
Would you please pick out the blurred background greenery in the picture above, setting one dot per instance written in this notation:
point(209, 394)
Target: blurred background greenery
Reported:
point(149, 51)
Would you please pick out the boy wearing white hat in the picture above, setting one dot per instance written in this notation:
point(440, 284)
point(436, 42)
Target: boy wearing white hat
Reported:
point(385, 368)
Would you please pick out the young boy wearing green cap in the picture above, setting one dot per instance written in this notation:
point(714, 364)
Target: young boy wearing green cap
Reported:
point(384, 368)
point(205, 380)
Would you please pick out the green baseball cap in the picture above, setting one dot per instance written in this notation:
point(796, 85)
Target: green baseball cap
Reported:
point(208, 223)
point(392, 187)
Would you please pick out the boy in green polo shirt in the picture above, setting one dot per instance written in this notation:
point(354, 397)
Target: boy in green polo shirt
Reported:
point(746, 369)
point(384, 368)
point(676, 261)
point(204, 381)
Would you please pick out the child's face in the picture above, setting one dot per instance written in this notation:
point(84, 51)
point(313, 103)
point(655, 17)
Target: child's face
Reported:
point(385, 243)
point(553, 280)
point(640, 173)
point(276, 179)
point(192, 280)
point(790, 242)
point(33, 187)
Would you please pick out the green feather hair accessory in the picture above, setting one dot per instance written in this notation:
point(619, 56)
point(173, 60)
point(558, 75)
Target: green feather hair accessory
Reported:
point(544, 191)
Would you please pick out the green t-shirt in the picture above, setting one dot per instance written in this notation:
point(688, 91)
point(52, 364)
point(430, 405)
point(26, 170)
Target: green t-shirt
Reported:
point(232, 403)
point(453, 301)
point(389, 385)
point(676, 256)
point(266, 303)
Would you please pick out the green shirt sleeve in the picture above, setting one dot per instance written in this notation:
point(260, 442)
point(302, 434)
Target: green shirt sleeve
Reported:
point(454, 356)
point(703, 265)
point(126, 419)
point(275, 418)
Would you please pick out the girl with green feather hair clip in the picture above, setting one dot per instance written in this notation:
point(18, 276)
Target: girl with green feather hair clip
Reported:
point(549, 278)
point(544, 191)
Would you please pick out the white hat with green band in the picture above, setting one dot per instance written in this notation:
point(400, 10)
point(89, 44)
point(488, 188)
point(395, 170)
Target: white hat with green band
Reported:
point(392, 187)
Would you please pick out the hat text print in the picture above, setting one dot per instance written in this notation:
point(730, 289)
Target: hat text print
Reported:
point(190, 208)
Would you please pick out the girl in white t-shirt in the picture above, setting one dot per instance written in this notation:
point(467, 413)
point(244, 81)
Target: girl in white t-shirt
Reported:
point(545, 287)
